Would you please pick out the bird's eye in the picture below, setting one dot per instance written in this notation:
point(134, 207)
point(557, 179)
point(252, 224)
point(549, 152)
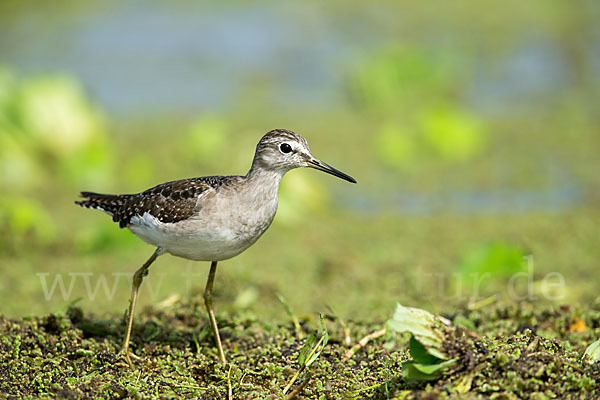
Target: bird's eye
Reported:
point(285, 148)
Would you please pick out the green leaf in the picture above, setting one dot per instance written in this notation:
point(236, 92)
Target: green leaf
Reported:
point(487, 263)
point(434, 368)
point(456, 135)
point(306, 349)
point(420, 354)
point(393, 78)
point(311, 351)
point(592, 353)
point(56, 113)
point(414, 371)
point(320, 344)
point(396, 146)
point(495, 258)
point(425, 346)
point(24, 215)
point(422, 325)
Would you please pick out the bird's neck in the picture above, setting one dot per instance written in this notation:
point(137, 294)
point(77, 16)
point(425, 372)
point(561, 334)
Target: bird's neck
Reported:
point(261, 194)
point(264, 181)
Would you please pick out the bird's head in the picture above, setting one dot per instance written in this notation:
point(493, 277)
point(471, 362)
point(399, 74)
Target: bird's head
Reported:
point(282, 150)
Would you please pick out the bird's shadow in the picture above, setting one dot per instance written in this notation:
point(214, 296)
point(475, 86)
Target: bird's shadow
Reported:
point(152, 329)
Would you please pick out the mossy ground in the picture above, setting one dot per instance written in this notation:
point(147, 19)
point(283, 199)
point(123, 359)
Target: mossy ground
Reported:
point(505, 351)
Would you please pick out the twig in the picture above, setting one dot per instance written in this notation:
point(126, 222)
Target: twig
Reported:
point(476, 305)
point(298, 389)
point(362, 343)
point(291, 382)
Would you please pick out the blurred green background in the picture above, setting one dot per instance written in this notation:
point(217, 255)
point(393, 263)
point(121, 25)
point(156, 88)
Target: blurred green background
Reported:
point(471, 127)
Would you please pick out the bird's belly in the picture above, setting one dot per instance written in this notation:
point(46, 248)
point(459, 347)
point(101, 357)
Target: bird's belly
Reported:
point(197, 241)
point(207, 247)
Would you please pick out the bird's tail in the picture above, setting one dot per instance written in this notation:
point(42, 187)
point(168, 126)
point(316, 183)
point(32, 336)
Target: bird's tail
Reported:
point(109, 203)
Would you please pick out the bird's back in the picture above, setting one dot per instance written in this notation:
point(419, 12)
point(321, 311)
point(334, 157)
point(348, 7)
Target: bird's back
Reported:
point(169, 202)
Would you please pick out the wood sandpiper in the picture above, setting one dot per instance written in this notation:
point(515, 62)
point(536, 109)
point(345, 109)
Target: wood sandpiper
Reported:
point(212, 218)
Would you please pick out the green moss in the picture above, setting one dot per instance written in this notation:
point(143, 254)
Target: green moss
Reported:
point(70, 356)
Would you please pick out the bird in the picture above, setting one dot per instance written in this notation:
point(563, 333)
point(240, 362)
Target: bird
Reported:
point(210, 218)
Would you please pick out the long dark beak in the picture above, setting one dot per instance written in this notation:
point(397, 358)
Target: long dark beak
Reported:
point(321, 166)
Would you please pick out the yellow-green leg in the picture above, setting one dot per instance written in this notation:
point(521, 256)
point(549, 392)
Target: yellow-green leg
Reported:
point(137, 281)
point(211, 314)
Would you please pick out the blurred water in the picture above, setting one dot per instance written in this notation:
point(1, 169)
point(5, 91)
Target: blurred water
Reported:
point(182, 56)
point(494, 201)
point(535, 70)
point(139, 56)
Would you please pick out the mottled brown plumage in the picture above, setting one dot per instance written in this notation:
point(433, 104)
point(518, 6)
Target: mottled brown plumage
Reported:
point(169, 202)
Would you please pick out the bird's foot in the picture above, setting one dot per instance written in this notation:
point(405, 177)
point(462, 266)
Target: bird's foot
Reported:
point(128, 355)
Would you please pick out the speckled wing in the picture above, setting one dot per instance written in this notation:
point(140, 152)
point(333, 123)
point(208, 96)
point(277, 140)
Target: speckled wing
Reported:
point(168, 202)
